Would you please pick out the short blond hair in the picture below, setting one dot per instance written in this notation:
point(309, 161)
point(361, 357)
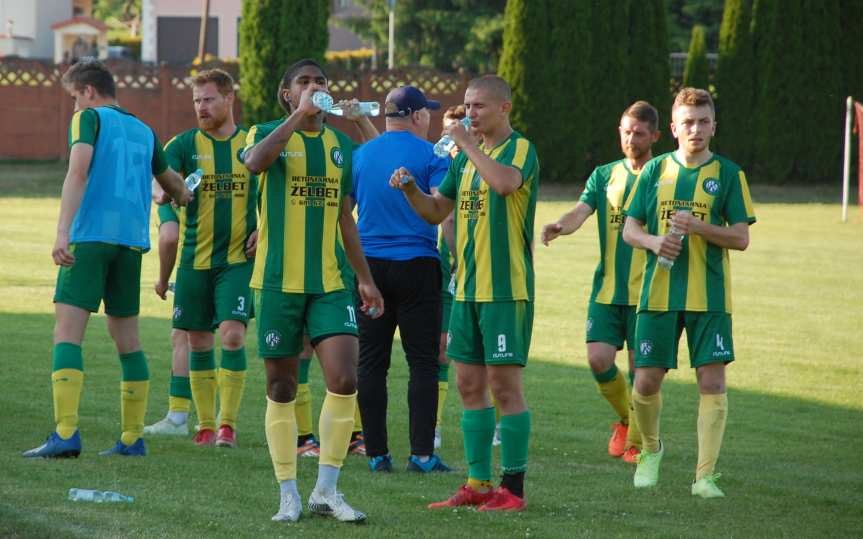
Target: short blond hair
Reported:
point(693, 97)
point(224, 82)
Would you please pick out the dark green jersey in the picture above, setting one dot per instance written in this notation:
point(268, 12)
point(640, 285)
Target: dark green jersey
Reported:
point(301, 199)
point(494, 234)
point(216, 224)
point(715, 192)
point(617, 279)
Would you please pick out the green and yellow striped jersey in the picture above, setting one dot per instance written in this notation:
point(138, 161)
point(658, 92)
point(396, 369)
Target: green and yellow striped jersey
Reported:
point(215, 226)
point(715, 192)
point(446, 260)
point(617, 279)
point(301, 199)
point(494, 234)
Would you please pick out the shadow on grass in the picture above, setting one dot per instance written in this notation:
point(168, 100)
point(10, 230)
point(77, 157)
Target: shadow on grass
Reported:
point(789, 465)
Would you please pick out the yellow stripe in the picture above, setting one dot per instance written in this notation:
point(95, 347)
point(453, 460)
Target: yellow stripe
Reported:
point(516, 212)
point(726, 279)
point(76, 126)
point(482, 239)
point(461, 237)
point(332, 277)
point(615, 188)
point(239, 203)
point(696, 287)
point(206, 204)
point(181, 218)
point(636, 273)
point(659, 284)
point(747, 198)
point(294, 245)
point(522, 146)
point(257, 280)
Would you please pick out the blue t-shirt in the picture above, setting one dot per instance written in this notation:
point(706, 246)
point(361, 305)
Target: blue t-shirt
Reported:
point(389, 228)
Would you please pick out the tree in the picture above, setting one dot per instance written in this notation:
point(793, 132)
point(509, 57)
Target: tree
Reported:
point(851, 36)
point(271, 39)
point(444, 34)
point(684, 14)
point(649, 70)
point(800, 106)
point(697, 72)
point(734, 74)
point(526, 39)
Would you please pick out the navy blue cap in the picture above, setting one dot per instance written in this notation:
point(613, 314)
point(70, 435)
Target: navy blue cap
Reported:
point(403, 101)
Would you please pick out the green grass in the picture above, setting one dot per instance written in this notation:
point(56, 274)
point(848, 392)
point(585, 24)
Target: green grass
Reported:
point(789, 460)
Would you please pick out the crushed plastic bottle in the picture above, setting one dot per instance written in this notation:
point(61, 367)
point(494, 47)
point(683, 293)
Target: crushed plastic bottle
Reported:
point(98, 496)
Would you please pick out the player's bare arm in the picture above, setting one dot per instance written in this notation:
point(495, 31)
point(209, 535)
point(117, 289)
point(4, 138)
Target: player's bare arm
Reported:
point(366, 287)
point(259, 157)
point(503, 179)
point(734, 237)
point(74, 186)
point(433, 208)
point(666, 246)
point(567, 224)
point(173, 184)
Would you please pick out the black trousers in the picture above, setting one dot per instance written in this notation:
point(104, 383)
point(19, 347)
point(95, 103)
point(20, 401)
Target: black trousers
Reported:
point(412, 301)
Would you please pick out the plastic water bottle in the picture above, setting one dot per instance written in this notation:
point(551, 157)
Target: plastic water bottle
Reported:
point(372, 312)
point(324, 101)
point(193, 180)
point(667, 263)
point(97, 496)
point(445, 145)
point(451, 287)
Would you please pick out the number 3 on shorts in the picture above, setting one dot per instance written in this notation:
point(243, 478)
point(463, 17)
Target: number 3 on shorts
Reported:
point(241, 304)
point(501, 343)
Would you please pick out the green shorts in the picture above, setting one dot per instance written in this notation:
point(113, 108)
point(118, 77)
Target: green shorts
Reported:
point(611, 324)
point(101, 272)
point(283, 317)
point(493, 333)
point(167, 214)
point(203, 299)
point(446, 305)
point(658, 334)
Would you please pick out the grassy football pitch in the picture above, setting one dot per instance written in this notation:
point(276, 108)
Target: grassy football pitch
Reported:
point(789, 461)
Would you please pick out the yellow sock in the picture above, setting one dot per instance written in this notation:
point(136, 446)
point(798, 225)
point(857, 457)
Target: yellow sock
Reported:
point(66, 386)
point(303, 409)
point(479, 485)
point(633, 434)
point(281, 430)
point(712, 413)
point(647, 411)
point(442, 389)
point(179, 404)
point(614, 392)
point(335, 426)
point(358, 420)
point(133, 408)
point(231, 385)
point(204, 394)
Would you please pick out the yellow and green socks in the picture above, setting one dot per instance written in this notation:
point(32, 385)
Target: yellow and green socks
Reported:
point(478, 429)
point(67, 381)
point(281, 430)
point(202, 379)
point(442, 390)
point(335, 426)
point(633, 433)
point(179, 395)
point(612, 386)
point(232, 381)
point(134, 390)
point(647, 412)
point(303, 402)
point(712, 414)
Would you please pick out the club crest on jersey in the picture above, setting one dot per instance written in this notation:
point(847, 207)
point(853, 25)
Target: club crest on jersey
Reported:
point(337, 157)
point(711, 186)
point(272, 339)
point(645, 347)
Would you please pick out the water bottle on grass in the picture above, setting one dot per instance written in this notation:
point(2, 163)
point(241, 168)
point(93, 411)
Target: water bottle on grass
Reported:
point(97, 496)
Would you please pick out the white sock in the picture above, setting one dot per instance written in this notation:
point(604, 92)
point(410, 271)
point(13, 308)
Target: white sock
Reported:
point(178, 418)
point(328, 477)
point(288, 487)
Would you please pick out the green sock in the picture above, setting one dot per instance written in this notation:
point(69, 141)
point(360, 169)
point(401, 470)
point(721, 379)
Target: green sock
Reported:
point(478, 428)
point(234, 360)
point(514, 440)
point(180, 387)
point(443, 372)
point(305, 363)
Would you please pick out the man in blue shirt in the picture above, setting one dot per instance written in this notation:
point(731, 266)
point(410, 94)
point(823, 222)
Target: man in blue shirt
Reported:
point(401, 250)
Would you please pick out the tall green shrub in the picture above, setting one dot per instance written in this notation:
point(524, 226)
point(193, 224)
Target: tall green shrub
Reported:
point(274, 34)
point(734, 74)
point(649, 70)
point(697, 72)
